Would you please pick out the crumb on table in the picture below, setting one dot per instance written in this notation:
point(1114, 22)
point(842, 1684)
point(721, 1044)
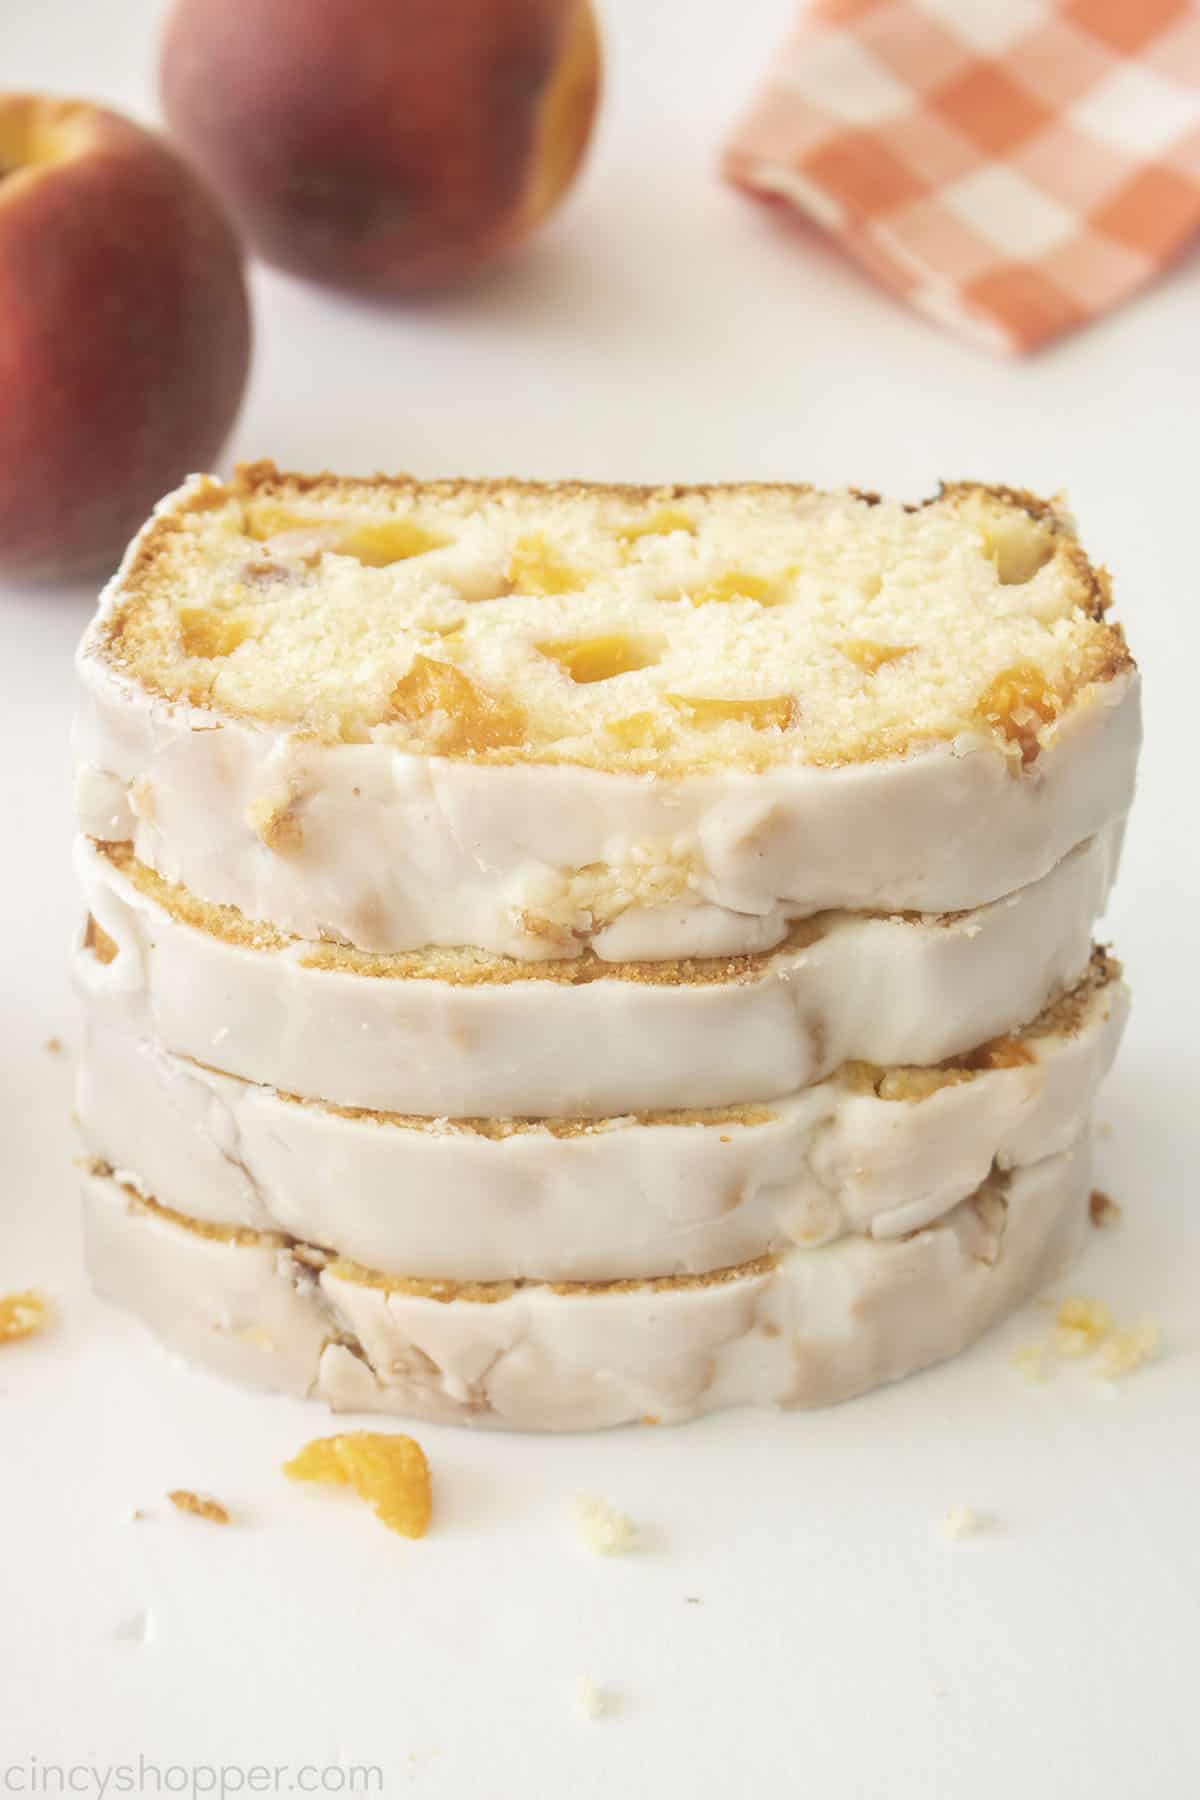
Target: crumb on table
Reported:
point(203, 1506)
point(1081, 1325)
point(54, 1046)
point(602, 1528)
point(1103, 1210)
point(961, 1521)
point(589, 1701)
point(23, 1314)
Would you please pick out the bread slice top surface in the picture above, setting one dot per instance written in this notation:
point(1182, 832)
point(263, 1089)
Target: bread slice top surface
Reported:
point(643, 629)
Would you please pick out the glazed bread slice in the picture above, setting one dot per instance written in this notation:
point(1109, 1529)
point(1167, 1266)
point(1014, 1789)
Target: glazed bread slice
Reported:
point(874, 1151)
point(465, 1035)
point(801, 1328)
point(507, 714)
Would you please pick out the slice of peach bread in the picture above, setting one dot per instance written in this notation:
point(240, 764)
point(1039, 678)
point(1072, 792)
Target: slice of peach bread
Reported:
point(569, 688)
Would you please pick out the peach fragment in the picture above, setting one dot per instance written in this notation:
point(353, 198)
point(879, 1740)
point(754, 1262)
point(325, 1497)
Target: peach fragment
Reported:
point(387, 1469)
point(600, 658)
point(659, 524)
point(736, 584)
point(869, 656)
point(457, 717)
point(776, 712)
point(533, 568)
point(23, 1314)
point(206, 632)
point(1017, 703)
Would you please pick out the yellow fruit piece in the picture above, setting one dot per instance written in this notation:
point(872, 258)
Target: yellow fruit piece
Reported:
point(600, 658)
point(386, 1469)
point(640, 731)
point(208, 633)
point(777, 712)
point(375, 543)
point(267, 520)
point(1018, 547)
point(393, 541)
point(870, 656)
point(1081, 1326)
point(1017, 703)
point(533, 568)
point(203, 1506)
point(443, 705)
point(658, 524)
point(737, 584)
point(22, 1314)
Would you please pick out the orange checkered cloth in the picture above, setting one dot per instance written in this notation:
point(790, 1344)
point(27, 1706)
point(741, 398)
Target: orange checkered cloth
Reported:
point(1011, 167)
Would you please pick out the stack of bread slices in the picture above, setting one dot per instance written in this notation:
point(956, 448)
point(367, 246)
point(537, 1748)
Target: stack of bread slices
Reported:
point(565, 955)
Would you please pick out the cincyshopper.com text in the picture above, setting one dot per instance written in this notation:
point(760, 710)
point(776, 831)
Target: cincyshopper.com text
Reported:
point(98, 1780)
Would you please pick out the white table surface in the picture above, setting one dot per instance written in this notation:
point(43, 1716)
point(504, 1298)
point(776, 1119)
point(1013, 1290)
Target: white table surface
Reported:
point(840, 1646)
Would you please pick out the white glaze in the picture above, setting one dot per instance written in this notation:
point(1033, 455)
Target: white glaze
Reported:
point(819, 1327)
point(625, 1199)
point(887, 990)
point(397, 851)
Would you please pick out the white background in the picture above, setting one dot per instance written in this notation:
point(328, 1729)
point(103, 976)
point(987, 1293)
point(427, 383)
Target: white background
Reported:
point(662, 327)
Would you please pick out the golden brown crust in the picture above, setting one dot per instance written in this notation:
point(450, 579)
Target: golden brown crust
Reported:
point(1064, 1017)
point(487, 1293)
point(482, 1292)
point(461, 968)
point(498, 1129)
point(218, 1234)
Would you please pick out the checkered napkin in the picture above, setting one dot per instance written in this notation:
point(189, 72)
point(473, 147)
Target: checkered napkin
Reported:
point(1011, 167)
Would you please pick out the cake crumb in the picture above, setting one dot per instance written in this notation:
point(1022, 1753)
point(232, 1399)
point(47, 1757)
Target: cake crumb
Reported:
point(1030, 1359)
point(385, 1468)
point(1103, 1210)
point(962, 1521)
point(1081, 1325)
point(203, 1506)
point(54, 1046)
point(603, 1529)
point(23, 1314)
point(589, 1701)
point(139, 1628)
point(1127, 1349)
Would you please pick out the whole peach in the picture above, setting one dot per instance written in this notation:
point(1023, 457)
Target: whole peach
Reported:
point(124, 331)
point(384, 145)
